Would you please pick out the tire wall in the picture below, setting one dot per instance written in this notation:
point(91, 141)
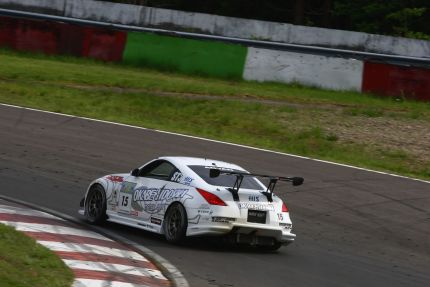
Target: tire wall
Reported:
point(399, 81)
point(214, 58)
point(185, 55)
point(220, 25)
point(61, 38)
point(141, 49)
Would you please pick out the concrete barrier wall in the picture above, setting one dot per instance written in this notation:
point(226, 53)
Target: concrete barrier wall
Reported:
point(225, 26)
point(104, 11)
point(213, 58)
point(54, 7)
point(312, 70)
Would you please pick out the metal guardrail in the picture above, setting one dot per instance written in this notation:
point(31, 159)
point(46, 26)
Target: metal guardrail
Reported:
point(315, 50)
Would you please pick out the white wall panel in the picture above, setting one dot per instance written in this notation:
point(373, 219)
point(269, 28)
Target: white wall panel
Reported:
point(312, 70)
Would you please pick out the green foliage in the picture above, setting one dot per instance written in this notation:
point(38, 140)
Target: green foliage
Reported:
point(403, 19)
point(397, 18)
point(408, 18)
point(23, 262)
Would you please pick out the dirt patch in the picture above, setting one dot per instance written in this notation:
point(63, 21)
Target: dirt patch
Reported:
point(410, 136)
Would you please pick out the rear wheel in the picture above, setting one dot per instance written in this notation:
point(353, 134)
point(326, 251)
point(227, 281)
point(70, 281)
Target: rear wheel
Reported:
point(175, 223)
point(275, 246)
point(95, 205)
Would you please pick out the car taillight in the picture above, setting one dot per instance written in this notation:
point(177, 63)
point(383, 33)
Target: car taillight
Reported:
point(211, 198)
point(284, 207)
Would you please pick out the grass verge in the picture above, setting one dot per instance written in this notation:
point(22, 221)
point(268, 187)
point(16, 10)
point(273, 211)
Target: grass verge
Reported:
point(379, 133)
point(23, 262)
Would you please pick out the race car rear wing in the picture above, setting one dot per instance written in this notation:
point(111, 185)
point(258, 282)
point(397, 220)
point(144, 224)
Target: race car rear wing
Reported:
point(215, 172)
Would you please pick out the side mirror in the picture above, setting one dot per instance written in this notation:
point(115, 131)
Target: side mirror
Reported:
point(135, 172)
point(298, 181)
point(213, 172)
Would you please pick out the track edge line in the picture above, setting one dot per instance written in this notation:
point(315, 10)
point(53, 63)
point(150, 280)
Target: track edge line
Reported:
point(218, 141)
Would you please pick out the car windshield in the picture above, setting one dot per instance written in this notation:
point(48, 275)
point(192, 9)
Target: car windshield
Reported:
point(224, 179)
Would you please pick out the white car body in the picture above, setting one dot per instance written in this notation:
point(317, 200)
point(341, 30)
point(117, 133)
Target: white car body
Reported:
point(142, 201)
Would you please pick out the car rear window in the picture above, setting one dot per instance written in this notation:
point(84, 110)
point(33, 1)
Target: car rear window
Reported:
point(224, 179)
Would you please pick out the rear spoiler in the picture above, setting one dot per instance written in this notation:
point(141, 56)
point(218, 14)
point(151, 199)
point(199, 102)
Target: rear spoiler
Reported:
point(215, 172)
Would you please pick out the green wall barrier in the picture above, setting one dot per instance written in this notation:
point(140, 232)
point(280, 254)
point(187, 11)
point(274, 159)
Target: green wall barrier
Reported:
point(185, 55)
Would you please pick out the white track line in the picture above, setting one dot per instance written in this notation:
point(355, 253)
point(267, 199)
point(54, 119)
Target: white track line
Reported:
point(217, 141)
point(100, 266)
point(90, 248)
point(56, 229)
point(9, 210)
point(80, 282)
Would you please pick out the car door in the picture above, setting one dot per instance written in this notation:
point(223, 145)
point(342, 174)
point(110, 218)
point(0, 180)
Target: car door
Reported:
point(145, 197)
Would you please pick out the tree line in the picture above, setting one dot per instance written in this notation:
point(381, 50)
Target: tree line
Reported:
point(405, 18)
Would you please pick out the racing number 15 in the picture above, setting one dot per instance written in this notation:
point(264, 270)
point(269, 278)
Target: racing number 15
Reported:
point(124, 201)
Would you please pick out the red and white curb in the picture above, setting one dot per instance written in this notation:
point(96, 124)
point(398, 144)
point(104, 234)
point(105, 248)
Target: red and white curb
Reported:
point(94, 259)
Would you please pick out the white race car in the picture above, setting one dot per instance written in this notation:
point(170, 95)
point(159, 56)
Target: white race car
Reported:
point(184, 196)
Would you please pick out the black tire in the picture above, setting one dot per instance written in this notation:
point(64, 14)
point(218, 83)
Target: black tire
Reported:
point(95, 205)
point(276, 245)
point(175, 223)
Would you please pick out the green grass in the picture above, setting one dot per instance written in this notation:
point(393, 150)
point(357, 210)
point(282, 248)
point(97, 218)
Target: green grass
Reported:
point(306, 121)
point(23, 262)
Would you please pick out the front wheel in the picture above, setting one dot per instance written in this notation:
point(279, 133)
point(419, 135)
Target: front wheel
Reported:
point(95, 205)
point(175, 223)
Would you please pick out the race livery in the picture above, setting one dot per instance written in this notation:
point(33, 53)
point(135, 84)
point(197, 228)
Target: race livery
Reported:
point(184, 196)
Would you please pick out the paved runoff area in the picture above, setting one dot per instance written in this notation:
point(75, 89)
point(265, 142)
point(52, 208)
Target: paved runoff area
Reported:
point(94, 259)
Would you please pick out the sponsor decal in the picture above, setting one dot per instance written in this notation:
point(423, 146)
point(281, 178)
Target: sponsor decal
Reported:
point(134, 213)
point(113, 183)
point(204, 206)
point(124, 187)
point(204, 211)
point(285, 225)
point(256, 206)
point(154, 200)
point(127, 187)
point(115, 178)
point(195, 219)
point(223, 219)
point(188, 180)
point(220, 168)
point(176, 177)
point(155, 220)
point(112, 200)
point(253, 198)
point(145, 225)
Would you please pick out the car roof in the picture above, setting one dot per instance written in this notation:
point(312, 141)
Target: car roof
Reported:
point(186, 161)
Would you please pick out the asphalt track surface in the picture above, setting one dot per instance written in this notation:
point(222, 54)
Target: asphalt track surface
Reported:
point(354, 227)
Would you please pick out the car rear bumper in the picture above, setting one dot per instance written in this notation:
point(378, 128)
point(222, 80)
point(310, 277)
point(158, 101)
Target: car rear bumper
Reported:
point(251, 232)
